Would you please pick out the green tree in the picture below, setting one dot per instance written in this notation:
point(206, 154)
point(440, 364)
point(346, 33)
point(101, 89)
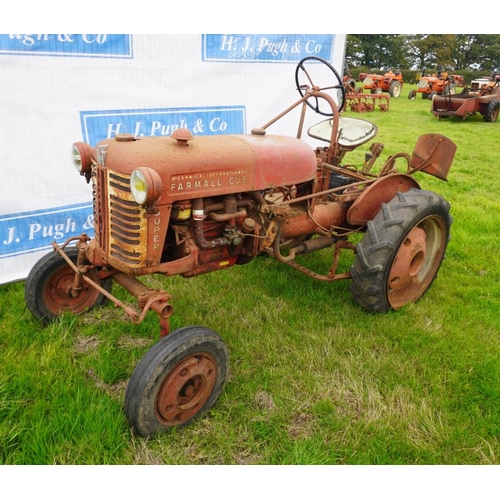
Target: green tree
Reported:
point(430, 51)
point(375, 51)
point(459, 52)
point(477, 52)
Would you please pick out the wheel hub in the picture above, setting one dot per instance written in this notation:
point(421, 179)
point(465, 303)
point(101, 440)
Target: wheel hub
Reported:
point(408, 260)
point(186, 389)
point(60, 295)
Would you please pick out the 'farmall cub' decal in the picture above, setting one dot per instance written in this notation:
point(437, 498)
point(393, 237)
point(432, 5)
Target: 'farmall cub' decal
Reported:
point(187, 183)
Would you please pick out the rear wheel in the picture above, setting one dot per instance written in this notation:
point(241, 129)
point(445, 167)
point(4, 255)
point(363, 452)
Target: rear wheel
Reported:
point(401, 252)
point(49, 288)
point(395, 89)
point(178, 379)
point(492, 110)
point(449, 89)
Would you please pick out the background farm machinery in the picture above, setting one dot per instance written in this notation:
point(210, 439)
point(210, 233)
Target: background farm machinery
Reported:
point(482, 97)
point(390, 83)
point(359, 102)
point(440, 83)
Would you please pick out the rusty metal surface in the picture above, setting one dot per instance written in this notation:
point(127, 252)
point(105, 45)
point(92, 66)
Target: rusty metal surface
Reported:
point(186, 389)
point(319, 220)
point(416, 262)
point(433, 154)
point(466, 103)
point(381, 191)
point(408, 260)
point(65, 291)
point(365, 103)
point(206, 166)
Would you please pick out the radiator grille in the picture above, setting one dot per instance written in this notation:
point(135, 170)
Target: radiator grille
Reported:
point(124, 236)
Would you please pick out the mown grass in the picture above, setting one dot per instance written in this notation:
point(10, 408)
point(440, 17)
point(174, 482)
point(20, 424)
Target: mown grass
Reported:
point(313, 378)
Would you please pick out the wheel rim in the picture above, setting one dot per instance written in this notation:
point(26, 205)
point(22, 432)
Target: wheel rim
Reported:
point(186, 389)
point(416, 262)
point(57, 297)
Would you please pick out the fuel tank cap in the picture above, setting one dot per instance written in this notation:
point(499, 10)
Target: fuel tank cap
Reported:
point(182, 136)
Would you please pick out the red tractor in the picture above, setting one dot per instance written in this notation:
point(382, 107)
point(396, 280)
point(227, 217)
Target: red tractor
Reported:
point(184, 205)
point(437, 84)
point(390, 82)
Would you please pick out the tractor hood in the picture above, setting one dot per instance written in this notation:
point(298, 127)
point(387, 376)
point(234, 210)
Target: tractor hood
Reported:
point(193, 167)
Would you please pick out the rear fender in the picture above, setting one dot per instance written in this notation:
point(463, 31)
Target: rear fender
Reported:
point(381, 191)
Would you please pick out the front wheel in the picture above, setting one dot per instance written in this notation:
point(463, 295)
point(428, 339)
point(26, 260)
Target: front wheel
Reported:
point(178, 379)
point(401, 252)
point(49, 288)
point(412, 94)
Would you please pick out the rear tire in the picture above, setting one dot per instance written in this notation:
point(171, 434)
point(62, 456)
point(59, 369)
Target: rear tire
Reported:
point(449, 90)
point(48, 285)
point(401, 252)
point(492, 111)
point(395, 89)
point(178, 379)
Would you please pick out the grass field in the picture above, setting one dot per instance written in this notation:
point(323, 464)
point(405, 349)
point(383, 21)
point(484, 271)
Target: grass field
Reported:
point(313, 378)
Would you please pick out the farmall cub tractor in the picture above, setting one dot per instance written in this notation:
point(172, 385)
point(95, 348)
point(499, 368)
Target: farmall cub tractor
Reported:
point(184, 205)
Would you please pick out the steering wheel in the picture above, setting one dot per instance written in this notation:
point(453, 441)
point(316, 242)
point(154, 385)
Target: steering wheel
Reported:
point(336, 91)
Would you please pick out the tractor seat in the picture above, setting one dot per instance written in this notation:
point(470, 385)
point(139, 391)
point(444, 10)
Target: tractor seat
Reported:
point(352, 131)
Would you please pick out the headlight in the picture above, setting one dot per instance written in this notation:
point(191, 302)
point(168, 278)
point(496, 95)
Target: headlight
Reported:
point(81, 155)
point(145, 185)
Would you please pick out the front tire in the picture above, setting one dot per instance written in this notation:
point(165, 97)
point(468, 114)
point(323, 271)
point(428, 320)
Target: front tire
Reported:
point(177, 380)
point(401, 252)
point(412, 94)
point(48, 288)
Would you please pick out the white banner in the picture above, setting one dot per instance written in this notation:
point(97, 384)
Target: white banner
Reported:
point(59, 89)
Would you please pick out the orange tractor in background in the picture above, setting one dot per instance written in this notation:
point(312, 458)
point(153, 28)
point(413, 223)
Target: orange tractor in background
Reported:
point(440, 83)
point(377, 84)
